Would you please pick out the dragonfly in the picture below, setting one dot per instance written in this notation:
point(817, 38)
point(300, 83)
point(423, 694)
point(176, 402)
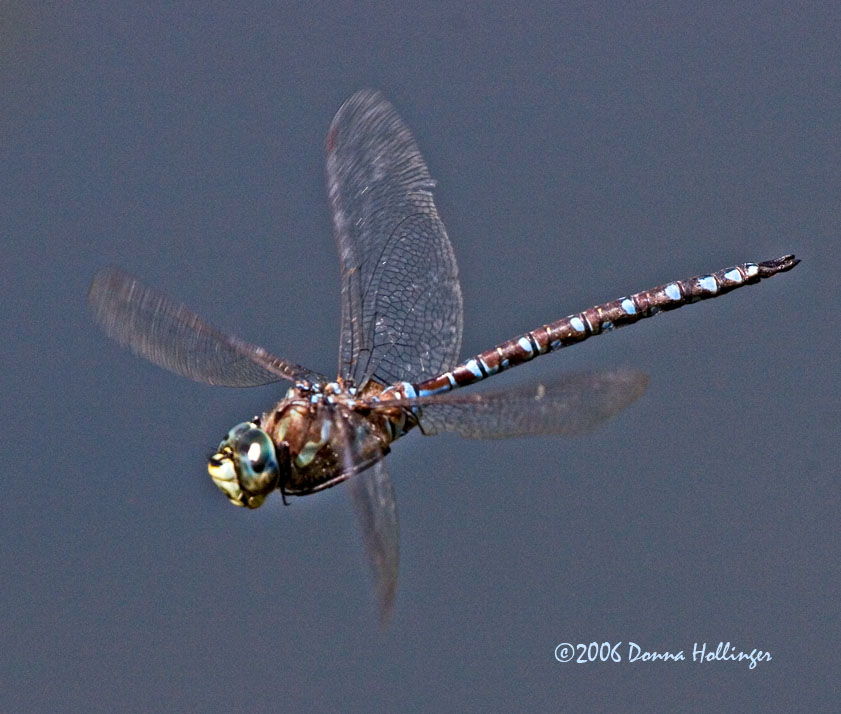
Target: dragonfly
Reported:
point(401, 332)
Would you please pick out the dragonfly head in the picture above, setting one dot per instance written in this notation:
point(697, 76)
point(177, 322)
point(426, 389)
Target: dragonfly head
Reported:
point(245, 468)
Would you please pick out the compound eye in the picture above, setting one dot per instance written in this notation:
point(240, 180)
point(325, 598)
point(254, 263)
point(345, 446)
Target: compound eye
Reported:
point(256, 450)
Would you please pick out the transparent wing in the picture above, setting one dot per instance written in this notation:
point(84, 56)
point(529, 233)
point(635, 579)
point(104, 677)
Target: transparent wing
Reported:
point(572, 404)
point(401, 299)
point(376, 510)
point(172, 337)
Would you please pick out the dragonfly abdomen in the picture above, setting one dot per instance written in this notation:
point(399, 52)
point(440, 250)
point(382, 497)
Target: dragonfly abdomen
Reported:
point(602, 318)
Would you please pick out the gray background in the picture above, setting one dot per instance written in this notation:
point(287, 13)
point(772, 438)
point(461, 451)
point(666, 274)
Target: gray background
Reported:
point(582, 153)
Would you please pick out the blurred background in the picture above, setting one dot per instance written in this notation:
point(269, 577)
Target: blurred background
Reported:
point(582, 152)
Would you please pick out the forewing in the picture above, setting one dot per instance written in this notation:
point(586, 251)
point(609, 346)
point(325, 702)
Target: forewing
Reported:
point(401, 299)
point(572, 404)
point(376, 510)
point(172, 337)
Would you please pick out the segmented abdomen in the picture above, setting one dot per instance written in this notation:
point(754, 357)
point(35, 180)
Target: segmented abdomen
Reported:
point(602, 318)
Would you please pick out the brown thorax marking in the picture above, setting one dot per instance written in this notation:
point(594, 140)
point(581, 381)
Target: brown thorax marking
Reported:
point(330, 432)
